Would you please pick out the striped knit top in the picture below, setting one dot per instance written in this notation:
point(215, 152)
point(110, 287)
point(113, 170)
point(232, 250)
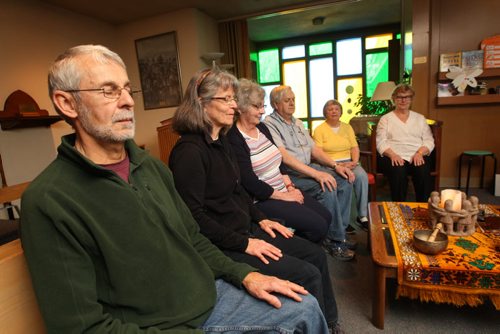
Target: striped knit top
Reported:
point(266, 160)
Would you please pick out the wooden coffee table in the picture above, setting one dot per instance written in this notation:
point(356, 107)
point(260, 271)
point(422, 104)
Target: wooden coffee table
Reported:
point(384, 258)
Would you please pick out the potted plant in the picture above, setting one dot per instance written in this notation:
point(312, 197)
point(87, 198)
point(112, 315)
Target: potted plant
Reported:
point(368, 107)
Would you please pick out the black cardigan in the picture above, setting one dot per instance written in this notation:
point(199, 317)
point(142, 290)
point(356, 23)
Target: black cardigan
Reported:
point(206, 176)
point(257, 188)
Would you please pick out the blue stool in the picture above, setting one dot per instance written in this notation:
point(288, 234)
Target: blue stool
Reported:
point(472, 155)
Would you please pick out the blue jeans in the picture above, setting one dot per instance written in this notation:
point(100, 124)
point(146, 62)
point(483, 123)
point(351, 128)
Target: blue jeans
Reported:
point(361, 191)
point(338, 201)
point(236, 311)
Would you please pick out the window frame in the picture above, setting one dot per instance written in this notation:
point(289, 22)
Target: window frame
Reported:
point(333, 38)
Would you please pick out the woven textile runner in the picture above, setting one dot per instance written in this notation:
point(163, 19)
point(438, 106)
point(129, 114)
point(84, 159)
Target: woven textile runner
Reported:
point(466, 273)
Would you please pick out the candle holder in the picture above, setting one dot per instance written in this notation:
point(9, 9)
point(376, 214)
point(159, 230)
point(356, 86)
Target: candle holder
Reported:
point(455, 211)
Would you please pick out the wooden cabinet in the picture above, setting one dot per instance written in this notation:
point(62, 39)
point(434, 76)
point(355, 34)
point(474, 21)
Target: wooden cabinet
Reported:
point(492, 76)
point(166, 139)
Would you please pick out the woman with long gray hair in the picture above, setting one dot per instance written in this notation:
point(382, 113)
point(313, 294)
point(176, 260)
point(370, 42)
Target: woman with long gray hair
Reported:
point(207, 177)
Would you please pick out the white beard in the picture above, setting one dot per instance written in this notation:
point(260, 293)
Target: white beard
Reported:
point(105, 132)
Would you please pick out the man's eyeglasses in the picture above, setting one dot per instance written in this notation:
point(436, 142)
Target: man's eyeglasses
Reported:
point(263, 106)
point(400, 97)
point(113, 93)
point(226, 99)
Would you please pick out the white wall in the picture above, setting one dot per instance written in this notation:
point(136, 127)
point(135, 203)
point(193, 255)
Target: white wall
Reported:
point(32, 34)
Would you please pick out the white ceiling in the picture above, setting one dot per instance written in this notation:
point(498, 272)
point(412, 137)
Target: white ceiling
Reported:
point(268, 19)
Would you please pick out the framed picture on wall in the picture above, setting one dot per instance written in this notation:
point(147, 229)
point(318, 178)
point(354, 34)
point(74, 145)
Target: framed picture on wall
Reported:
point(159, 70)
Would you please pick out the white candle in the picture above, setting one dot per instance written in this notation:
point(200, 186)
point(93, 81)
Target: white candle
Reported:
point(454, 195)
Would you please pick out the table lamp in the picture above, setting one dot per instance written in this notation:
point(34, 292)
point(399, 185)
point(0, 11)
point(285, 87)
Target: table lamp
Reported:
point(383, 91)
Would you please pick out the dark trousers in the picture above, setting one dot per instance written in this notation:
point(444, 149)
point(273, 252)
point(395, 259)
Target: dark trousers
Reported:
point(310, 220)
point(303, 262)
point(398, 179)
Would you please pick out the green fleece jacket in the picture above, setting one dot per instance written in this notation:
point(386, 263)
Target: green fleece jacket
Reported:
point(107, 256)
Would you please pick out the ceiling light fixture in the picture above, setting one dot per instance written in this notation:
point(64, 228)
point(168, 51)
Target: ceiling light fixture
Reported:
point(318, 20)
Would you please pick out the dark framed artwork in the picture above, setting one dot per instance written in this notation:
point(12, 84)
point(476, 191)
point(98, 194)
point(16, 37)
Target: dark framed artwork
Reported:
point(159, 70)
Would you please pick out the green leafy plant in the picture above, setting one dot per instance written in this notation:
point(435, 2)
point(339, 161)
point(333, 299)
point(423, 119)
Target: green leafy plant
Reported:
point(368, 107)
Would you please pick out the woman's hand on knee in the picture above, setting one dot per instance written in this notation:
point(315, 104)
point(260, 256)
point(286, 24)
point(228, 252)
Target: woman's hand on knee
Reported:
point(269, 226)
point(263, 249)
point(396, 160)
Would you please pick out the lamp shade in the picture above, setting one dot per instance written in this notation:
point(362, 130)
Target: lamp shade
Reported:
point(383, 91)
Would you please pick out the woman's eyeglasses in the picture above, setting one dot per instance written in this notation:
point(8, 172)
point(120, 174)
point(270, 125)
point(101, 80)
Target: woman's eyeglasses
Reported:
point(402, 97)
point(225, 99)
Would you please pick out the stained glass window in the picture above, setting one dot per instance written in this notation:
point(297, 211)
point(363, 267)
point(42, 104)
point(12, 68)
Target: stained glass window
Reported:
point(315, 124)
point(347, 94)
point(376, 70)
point(321, 70)
point(320, 49)
point(296, 51)
point(349, 56)
point(378, 41)
point(268, 66)
point(267, 101)
point(294, 75)
point(321, 79)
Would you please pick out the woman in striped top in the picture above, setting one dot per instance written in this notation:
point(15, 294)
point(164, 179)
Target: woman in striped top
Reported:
point(263, 175)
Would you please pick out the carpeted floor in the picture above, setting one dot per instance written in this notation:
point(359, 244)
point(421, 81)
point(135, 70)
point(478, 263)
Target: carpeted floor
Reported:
point(353, 284)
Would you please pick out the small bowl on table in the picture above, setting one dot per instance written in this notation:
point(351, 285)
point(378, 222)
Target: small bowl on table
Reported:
point(429, 247)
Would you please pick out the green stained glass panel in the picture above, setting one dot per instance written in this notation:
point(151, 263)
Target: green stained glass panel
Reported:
point(320, 49)
point(377, 70)
point(254, 56)
point(268, 66)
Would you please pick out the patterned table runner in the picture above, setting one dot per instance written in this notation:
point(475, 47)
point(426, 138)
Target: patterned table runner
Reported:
point(467, 272)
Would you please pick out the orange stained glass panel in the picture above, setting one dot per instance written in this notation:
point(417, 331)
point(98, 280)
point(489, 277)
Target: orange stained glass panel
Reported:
point(294, 75)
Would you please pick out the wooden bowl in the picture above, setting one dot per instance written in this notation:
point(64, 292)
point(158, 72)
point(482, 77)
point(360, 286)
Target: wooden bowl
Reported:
point(429, 247)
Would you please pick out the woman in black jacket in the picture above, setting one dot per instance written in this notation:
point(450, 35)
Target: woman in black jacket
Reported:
point(264, 176)
point(207, 177)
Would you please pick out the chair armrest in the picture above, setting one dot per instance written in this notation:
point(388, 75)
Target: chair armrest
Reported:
point(367, 156)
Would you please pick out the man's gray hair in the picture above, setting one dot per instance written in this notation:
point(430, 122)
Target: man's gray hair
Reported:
point(277, 94)
point(66, 72)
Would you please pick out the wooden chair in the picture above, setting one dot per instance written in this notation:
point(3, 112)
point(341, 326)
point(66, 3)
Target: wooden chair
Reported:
point(9, 227)
point(9, 213)
point(373, 156)
point(19, 312)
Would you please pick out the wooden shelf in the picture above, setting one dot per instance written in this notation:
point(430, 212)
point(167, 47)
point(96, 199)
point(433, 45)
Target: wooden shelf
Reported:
point(22, 111)
point(487, 73)
point(491, 73)
point(468, 99)
point(10, 123)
